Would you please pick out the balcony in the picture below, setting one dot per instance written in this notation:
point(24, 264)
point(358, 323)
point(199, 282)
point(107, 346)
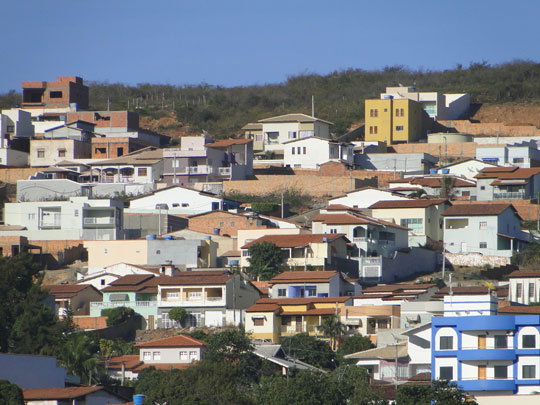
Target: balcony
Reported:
point(196, 170)
point(192, 302)
point(485, 354)
point(516, 195)
point(115, 304)
point(224, 171)
point(99, 221)
point(50, 224)
point(488, 385)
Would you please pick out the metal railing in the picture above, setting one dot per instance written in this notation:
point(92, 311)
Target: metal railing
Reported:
point(224, 171)
point(515, 195)
point(99, 220)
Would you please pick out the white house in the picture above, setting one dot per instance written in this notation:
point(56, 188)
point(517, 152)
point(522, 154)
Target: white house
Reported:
point(489, 229)
point(466, 168)
point(277, 130)
point(524, 287)
point(524, 155)
point(310, 152)
point(79, 218)
point(178, 200)
point(365, 197)
point(419, 349)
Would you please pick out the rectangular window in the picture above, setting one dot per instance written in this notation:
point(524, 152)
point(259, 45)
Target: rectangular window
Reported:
point(399, 127)
point(195, 295)
point(142, 171)
point(501, 342)
point(76, 213)
point(10, 129)
point(286, 320)
point(298, 150)
point(31, 217)
point(446, 373)
point(373, 113)
point(483, 245)
point(292, 150)
point(192, 355)
point(500, 372)
point(147, 356)
point(311, 292)
point(529, 371)
point(258, 321)
point(258, 138)
point(292, 134)
point(402, 111)
point(483, 225)
point(519, 290)
point(528, 341)
point(517, 160)
point(531, 290)
point(119, 152)
point(183, 355)
point(55, 94)
point(282, 292)
point(101, 150)
point(304, 150)
point(41, 153)
point(446, 343)
point(414, 224)
point(61, 153)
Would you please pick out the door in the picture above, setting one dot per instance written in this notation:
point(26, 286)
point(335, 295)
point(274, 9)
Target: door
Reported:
point(482, 341)
point(482, 372)
point(299, 324)
point(151, 322)
point(464, 247)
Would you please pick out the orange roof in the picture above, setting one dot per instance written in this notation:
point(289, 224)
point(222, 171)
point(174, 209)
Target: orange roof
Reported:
point(66, 290)
point(301, 301)
point(338, 207)
point(173, 341)
point(299, 276)
point(228, 142)
point(130, 362)
point(424, 203)
point(264, 308)
point(314, 311)
point(476, 209)
point(290, 241)
point(524, 274)
point(520, 309)
point(508, 173)
point(59, 393)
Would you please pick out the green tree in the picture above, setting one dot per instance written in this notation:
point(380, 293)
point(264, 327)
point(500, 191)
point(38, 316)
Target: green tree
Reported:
point(10, 394)
point(332, 327)
point(353, 344)
point(117, 315)
point(78, 356)
point(264, 261)
point(310, 350)
point(440, 392)
point(178, 314)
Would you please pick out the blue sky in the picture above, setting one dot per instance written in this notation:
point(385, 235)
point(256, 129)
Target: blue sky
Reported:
point(230, 43)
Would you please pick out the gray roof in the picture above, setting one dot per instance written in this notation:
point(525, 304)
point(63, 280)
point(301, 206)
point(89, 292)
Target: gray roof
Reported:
point(293, 118)
point(275, 354)
point(384, 353)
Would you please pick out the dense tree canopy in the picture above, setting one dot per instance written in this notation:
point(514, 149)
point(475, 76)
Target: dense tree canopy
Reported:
point(10, 394)
point(264, 261)
point(310, 350)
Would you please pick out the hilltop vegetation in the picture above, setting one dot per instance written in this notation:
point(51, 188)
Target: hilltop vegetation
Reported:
point(339, 96)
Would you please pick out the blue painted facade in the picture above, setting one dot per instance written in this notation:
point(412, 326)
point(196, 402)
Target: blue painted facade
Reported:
point(476, 365)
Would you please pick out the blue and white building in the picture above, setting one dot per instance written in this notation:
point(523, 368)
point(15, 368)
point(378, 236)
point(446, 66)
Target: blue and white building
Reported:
point(484, 353)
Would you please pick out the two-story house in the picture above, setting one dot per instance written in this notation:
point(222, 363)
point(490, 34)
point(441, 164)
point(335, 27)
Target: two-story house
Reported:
point(311, 152)
point(72, 297)
point(507, 183)
point(79, 218)
point(272, 318)
point(524, 287)
point(316, 251)
point(489, 229)
point(276, 131)
point(305, 284)
point(422, 217)
point(436, 186)
point(524, 155)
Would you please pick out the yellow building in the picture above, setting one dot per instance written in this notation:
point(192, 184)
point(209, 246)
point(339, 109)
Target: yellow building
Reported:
point(393, 121)
point(271, 319)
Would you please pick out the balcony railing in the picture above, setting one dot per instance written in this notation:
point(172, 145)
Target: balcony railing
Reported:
point(50, 225)
point(224, 171)
point(197, 170)
point(116, 304)
point(99, 220)
point(516, 195)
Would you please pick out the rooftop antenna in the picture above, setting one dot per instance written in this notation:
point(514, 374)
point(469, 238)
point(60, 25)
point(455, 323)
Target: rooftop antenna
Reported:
point(312, 105)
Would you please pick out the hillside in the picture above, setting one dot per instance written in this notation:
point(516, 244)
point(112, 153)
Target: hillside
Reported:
point(509, 93)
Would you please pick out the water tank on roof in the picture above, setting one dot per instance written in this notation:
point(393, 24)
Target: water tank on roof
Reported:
point(138, 399)
point(152, 236)
point(445, 171)
point(169, 237)
point(432, 171)
point(325, 239)
point(207, 237)
point(216, 231)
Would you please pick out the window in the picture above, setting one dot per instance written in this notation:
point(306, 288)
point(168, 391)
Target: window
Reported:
point(483, 245)
point(446, 373)
point(415, 224)
point(373, 113)
point(400, 112)
point(286, 320)
point(500, 372)
point(446, 343)
point(102, 281)
point(142, 171)
point(192, 355)
point(519, 290)
point(517, 160)
point(529, 371)
point(483, 225)
point(531, 290)
point(501, 341)
point(101, 150)
point(298, 150)
point(119, 151)
point(528, 341)
point(282, 292)
point(311, 292)
point(172, 294)
point(258, 321)
point(292, 134)
point(195, 294)
point(183, 355)
point(31, 217)
point(61, 153)
point(10, 128)
point(41, 153)
point(373, 130)
point(158, 252)
point(76, 213)
point(304, 149)
point(482, 187)
point(292, 150)
point(147, 356)
point(184, 205)
point(55, 94)
point(258, 138)
point(399, 127)
point(245, 253)
point(333, 230)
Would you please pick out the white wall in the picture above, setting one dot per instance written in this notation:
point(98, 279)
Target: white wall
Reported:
point(14, 158)
point(169, 354)
point(365, 198)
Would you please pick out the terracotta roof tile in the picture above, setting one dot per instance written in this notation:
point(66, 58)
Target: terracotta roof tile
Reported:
point(173, 341)
point(132, 279)
point(476, 209)
point(308, 276)
point(520, 309)
point(525, 274)
point(228, 142)
point(424, 203)
point(59, 393)
point(130, 362)
point(264, 308)
point(507, 173)
point(314, 311)
point(287, 241)
point(301, 301)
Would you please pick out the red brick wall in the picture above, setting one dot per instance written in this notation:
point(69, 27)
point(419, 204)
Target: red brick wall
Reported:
point(88, 322)
point(464, 149)
point(111, 146)
point(228, 224)
point(58, 252)
point(491, 128)
point(12, 174)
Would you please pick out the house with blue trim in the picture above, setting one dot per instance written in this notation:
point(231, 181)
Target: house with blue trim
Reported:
point(486, 353)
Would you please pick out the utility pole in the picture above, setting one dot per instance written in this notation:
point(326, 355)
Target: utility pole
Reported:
point(538, 211)
point(312, 105)
point(108, 104)
point(282, 200)
point(443, 260)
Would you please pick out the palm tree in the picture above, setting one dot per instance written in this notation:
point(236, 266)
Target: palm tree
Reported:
point(78, 359)
point(333, 328)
